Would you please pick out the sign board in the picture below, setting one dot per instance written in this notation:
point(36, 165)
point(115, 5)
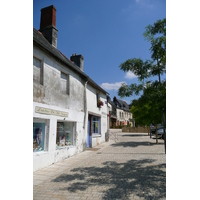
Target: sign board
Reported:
point(49, 111)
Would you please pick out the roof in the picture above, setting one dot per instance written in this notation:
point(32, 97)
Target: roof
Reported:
point(121, 104)
point(42, 42)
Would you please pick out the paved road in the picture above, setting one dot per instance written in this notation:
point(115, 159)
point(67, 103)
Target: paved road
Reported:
point(133, 167)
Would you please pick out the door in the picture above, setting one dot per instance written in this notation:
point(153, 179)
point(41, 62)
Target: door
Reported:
point(88, 133)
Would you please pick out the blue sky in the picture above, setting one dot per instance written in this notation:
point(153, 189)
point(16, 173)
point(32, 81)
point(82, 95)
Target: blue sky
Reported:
point(106, 33)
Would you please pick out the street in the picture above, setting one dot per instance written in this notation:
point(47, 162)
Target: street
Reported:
point(129, 166)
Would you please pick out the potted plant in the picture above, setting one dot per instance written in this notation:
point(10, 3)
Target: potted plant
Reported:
point(99, 103)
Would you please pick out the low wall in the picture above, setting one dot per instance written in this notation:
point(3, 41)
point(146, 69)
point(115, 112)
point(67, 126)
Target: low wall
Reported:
point(136, 129)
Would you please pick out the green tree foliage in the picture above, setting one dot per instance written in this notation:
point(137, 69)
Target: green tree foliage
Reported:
point(152, 103)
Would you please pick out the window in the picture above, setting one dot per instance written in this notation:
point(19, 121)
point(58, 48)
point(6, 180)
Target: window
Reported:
point(38, 136)
point(97, 97)
point(37, 71)
point(65, 134)
point(95, 125)
point(64, 83)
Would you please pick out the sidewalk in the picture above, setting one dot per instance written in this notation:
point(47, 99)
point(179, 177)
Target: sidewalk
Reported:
point(132, 168)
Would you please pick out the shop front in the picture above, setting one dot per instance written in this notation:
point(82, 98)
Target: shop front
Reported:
point(56, 135)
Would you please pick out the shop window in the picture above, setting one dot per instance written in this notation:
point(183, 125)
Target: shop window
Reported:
point(37, 71)
point(65, 134)
point(38, 136)
point(64, 83)
point(95, 125)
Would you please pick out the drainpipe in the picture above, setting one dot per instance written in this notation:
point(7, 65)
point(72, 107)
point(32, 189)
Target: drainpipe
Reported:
point(85, 104)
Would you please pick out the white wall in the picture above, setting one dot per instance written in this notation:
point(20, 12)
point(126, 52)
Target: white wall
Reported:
point(49, 96)
point(125, 115)
point(51, 155)
point(50, 92)
point(92, 108)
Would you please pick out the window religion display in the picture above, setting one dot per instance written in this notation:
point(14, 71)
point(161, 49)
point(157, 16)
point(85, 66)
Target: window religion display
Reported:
point(38, 136)
point(65, 136)
point(95, 124)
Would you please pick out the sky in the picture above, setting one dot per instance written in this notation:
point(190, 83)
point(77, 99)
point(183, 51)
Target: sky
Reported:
point(106, 33)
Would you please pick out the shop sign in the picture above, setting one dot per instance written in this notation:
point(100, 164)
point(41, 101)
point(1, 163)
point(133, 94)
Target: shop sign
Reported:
point(48, 111)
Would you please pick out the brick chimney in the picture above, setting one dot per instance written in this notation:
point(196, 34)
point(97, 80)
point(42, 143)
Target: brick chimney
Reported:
point(78, 60)
point(48, 24)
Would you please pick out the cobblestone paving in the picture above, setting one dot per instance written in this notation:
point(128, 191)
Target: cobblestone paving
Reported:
point(133, 167)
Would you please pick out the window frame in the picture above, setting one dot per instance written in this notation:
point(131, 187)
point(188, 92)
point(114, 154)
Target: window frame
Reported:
point(73, 142)
point(46, 133)
point(97, 98)
point(41, 69)
point(96, 121)
point(67, 92)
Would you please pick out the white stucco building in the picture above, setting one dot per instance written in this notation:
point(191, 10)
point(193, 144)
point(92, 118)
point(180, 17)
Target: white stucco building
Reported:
point(124, 115)
point(66, 118)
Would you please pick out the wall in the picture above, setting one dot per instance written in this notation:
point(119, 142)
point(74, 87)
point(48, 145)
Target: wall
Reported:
point(136, 129)
point(50, 92)
point(51, 155)
point(49, 96)
point(125, 115)
point(92, 108)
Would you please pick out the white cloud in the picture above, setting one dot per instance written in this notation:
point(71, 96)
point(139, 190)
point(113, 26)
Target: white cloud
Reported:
point(130, 75)
point(111, 86)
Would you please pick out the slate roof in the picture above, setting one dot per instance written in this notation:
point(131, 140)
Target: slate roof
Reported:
point(121, 104)
point(40, 40)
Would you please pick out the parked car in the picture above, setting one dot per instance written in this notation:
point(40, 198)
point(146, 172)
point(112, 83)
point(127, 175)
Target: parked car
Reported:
point(153, 128)
point(160, 133)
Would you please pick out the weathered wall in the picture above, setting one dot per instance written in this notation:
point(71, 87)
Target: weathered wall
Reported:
point(50, 96)
point(50, 92)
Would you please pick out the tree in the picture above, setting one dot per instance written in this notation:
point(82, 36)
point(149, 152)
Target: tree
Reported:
point(152, 102)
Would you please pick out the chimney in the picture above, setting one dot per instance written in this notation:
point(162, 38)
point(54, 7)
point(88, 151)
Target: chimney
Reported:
point(78, 60)
point(48, 24)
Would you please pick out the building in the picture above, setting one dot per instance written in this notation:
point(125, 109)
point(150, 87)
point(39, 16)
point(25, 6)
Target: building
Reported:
point(112, 114)
point(124, 116)
point(69, 108)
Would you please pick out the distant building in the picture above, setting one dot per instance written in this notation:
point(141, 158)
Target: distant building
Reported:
point(69, 108)
point(124, 116)
point(112, 114)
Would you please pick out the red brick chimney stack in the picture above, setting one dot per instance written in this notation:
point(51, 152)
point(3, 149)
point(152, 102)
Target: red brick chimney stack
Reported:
point(48, 17)
point(48, 24)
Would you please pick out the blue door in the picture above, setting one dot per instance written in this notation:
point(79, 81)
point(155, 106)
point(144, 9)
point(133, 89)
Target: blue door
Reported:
point(88, 134)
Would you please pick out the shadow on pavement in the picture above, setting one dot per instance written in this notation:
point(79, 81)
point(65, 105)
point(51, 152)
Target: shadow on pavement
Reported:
point(135, 135)
point(134, 144)
point(119, 180)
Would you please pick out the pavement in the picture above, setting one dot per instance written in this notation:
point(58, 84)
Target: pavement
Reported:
point(129, 166)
